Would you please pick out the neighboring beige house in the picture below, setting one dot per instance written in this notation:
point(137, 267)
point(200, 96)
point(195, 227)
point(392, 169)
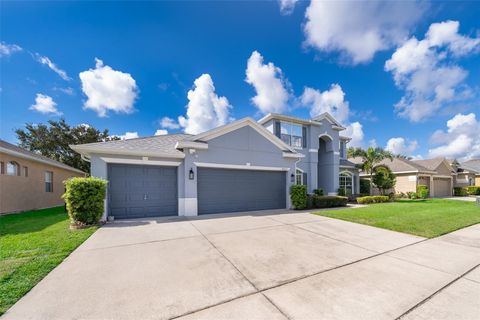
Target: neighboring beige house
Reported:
point(30, 181)
point(467, 173)
point(436, 174)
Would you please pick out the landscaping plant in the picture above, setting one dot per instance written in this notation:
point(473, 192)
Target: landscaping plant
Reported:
point(422, 192)
point(383, 179)
point(373, 199)
point(84, 198)
point(298, 195)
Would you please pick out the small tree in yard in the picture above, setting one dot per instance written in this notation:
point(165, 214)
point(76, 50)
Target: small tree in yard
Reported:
point(383, 179)
point(84, 198)
point(298, 195)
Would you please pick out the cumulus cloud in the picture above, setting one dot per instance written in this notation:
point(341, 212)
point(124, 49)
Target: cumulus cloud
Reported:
point(46, 61)
point(331, 101)
point(359, 29)
point(169, 123)
point(108, 90)
point(400, 145)
point(45, 104)
point(128, 135)
point(205, 109)
point(426, 70)
point(355, 132)
point(161, 132)
point(287, 6)
point(269, 83)
point(461, 139)
point(8, 49)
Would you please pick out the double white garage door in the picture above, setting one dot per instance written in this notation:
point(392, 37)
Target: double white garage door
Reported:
point(146, 191)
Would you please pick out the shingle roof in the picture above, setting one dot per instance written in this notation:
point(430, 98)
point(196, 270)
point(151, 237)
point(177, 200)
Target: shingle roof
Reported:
point(18, 151)
point(157, 144)
point(346, 163)
point(431, 164)
point(473, 164)
point(397, 165)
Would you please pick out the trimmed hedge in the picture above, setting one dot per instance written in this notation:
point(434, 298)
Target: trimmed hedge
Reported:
point(298, 195)
point(459, 192)
point(422, 192)
point(473, 190)
point(373, 199)
point(328, 201)
point(84, 199)
point(318, 192)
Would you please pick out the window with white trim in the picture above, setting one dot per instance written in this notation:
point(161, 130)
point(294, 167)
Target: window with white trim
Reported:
point(48, 181)
point(291, 134)
point(346, 183)
point(298, 177)
point(13, 169)
point(342, 149)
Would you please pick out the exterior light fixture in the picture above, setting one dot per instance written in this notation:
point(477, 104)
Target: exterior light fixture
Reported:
point(292, 178)
point(191, 174)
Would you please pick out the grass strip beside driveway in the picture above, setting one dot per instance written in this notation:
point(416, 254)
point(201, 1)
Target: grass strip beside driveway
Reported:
point(426, 218)
point(31, 245)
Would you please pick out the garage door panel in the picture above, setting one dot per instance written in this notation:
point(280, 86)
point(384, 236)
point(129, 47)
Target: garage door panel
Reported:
point(225, 190)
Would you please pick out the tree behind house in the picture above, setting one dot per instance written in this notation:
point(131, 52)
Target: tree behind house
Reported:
point(52, 140)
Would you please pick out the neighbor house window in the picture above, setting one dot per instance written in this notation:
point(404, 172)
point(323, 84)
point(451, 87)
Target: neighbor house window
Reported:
point(48, 181)
point(346, 183)
point(2, 167)
point(291, 134)
point(298, 177)
point(13, 169)
point(25, 171)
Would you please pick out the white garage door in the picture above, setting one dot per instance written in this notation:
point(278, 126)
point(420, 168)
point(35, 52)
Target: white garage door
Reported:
point(442, 187)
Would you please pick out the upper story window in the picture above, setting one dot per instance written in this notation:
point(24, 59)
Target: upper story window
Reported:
point(292, 134)
point(48, 181)
point(25, 171)
point(13, 169)
point(342, 149)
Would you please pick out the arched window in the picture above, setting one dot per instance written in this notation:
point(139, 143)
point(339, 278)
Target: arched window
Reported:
point(346, 183)
point(13, 169)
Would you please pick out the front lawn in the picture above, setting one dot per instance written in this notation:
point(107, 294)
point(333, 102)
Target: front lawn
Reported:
point(426, 218)
point(31, 245)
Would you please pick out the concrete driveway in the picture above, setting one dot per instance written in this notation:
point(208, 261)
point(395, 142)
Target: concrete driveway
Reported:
point(266, 265)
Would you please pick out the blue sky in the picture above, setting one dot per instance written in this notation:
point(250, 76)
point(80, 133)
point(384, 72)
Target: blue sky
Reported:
point(357, 63)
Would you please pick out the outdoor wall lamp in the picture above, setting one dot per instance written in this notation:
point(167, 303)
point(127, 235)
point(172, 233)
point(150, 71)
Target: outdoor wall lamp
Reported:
point(292, 178)
point(191, 174)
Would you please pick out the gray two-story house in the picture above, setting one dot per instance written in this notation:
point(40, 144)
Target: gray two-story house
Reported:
point(242, 166)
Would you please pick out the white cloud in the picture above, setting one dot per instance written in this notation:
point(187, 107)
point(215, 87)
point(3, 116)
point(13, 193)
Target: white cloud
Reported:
point(8, 49)
point(287, 6)
point(355, 132)
point(359, 29)
point(161, 132)
point(129, 135)
point(45, 104)
point(461, 140)
point(205, 109)
point(270, 86)
point(108, 90)
point(425, 69)
point(331, 101)
point(49, 63)
point(68, 90)
point(169, 123)
point(400, 145)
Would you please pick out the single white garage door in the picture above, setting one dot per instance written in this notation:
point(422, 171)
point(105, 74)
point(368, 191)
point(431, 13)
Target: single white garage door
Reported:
point(227, 190)
point(442, 187)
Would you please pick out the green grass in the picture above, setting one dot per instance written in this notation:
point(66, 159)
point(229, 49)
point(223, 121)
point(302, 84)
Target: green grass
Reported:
point(426, 218)
point(31, 245)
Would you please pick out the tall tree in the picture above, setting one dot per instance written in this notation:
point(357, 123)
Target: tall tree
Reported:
point(370, 159)
point(52, 140)
point(383, 179)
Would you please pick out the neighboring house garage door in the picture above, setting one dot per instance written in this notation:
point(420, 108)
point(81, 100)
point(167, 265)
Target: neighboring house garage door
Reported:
point(441, 187)
point(137, 191)
point(226, 190)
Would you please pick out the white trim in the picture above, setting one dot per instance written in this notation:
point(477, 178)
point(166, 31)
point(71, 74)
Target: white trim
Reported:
point(347, 172)
point(442, 177)
point(238, 167)
point(88, 151)
point(188, 207)
point(191, 144)
point(338, 128)
point(337, 153)
point(293, 155)
point(32, 158)
point(142, 162)
point(313, 150)
point(326, 135)
point(282, 117)
point(301, 176)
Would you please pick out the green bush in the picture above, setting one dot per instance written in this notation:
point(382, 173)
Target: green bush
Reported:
point(84, 198)
point(473, 190)
point(298, 195)
point(460, 192)
point(422, 192)
point(318, 192)
point(329, 201)
point(364, 186)
point(373, 199)
point(341, 192)
point(412, 195)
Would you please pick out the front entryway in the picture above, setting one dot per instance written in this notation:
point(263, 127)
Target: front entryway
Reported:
point(227, 190)
point(137, 191)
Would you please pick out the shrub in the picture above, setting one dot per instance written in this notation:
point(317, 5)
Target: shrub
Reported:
point(298, 195)
point(373, 199)
point(84, 199)
point(459, 191)
point(318, 192)
point(329, 201)
point(412, 195)
point(422, 192)
point(341, 192)
point(473, 190)
point(364, 186)
point(383, 179)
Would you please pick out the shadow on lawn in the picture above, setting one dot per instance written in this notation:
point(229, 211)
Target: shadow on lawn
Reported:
point(31, 221)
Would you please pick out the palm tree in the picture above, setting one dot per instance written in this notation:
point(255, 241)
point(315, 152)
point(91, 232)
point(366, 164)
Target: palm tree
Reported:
point(371, 158)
